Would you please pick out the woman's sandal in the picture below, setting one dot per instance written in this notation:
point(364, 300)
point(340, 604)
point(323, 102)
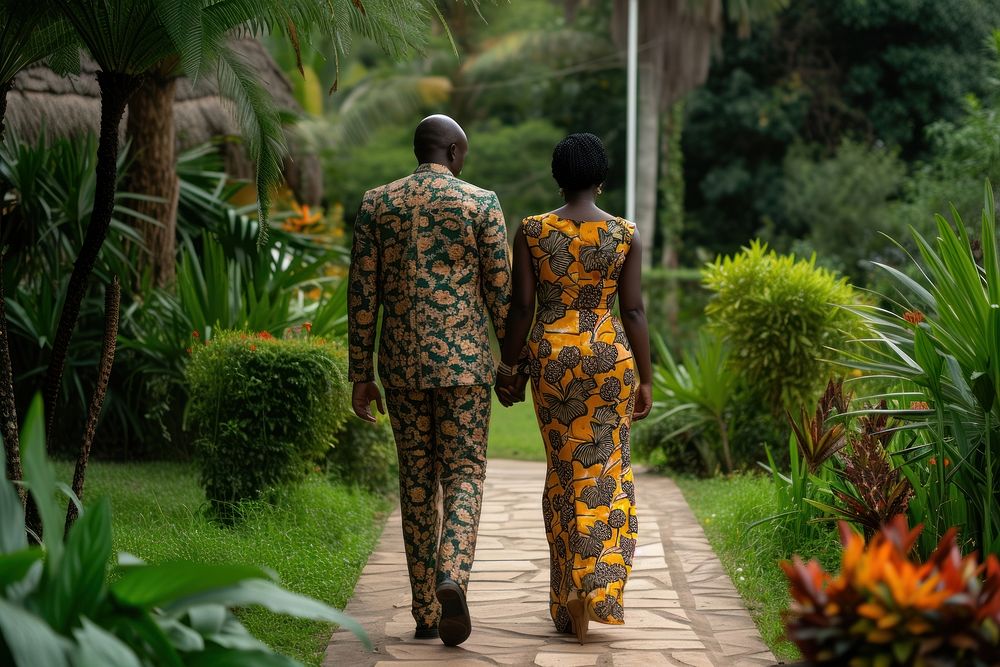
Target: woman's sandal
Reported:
point(579, 617)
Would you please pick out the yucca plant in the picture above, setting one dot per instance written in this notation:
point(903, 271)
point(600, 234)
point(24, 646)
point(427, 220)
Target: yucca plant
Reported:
point(945, 341)
point(701, 388)
point(883, 608)
point(59, 607)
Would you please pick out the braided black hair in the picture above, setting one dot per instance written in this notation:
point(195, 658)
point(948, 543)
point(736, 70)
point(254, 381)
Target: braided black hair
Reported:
point(579, 162)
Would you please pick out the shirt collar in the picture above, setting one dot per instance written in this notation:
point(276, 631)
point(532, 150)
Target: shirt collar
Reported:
point(434, 167)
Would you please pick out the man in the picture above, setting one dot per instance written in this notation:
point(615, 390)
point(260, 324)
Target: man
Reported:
point(431, 251)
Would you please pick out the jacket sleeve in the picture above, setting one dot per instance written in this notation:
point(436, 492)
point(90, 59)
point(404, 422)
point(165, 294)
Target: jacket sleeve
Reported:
point(494, 265)
point(364, 293)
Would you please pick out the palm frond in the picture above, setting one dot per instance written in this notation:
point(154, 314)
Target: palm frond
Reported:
point(183, 21)
point(123, 36)
point(259, 124)
point(30, 32)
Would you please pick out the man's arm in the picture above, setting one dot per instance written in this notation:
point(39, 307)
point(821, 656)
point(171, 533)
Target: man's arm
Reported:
point(494, 266)
point(363, 294)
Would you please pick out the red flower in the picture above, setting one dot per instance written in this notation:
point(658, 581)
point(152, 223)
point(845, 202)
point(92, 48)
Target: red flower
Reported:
point(308, 326)
point(252, 347)
point(196, 334)
point(913, 316)
point(265, 335)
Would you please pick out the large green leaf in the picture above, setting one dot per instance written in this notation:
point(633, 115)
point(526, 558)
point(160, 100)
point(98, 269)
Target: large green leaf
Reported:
point(272, 597)
point(76, 588)
point(40, 478)
point(148, 586)
point(234, 635)
point(14, 566)
point(12, 535)
point(141, 631)
point(29, 639)
point(183, 638)
point(97, 647)
point(208, 619)
point(224, 657)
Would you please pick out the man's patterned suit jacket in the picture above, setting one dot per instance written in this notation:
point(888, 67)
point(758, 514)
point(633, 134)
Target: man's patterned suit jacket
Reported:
point(432, 251)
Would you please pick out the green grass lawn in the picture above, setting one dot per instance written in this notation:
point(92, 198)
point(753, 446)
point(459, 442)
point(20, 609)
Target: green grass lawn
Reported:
point(514, 432)
point(725, 507)
point(316, 536)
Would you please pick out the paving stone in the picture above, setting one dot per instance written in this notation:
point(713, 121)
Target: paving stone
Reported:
point(693, 659)
point(681, 608)
point(640, 659)
point(565, 660)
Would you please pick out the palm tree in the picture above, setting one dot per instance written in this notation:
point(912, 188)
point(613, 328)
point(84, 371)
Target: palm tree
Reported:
point(135, 40)
point(676, 39)
point(396, 27)
point(138, 40)
point(28, 34)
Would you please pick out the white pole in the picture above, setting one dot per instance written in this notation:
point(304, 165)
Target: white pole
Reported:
point(633, 89)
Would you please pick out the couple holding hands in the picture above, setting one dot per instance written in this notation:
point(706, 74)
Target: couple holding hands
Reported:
point(431, 254)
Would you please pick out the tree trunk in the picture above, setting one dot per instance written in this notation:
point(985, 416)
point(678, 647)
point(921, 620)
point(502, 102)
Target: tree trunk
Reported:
point(116, 88)
point(648, 159)
point(4, 89)
point(724, 436)
point(671, 209)
point(671, 185)
point(8, 410)
point(150, 128)
point(112, 302)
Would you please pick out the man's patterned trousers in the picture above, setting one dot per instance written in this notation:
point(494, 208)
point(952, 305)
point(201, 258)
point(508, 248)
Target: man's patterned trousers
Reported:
point(441, 437)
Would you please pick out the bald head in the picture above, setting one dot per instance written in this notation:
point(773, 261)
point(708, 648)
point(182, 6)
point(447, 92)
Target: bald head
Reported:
point(440, 140)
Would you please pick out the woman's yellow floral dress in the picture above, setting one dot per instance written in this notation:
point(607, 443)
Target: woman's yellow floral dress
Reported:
point(583, 381)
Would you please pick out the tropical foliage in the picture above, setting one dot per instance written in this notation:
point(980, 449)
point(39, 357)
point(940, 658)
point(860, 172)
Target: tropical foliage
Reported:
point(938, 345)
point(59, 609)
point(699, 390)
point(883, 608)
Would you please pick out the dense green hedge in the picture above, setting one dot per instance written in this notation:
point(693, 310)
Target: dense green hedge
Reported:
point(364, 456)
point(264, 410)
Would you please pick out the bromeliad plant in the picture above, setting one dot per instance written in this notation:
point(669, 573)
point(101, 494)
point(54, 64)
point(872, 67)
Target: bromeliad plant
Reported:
point(945, 341)
point(885, 609)
point(58, 609)
point(814, 440)
point(868, 487)
point(841, 467)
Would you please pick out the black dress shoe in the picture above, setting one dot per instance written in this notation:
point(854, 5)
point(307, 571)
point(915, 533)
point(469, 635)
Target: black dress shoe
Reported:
point(455, 625)
point(426, 633)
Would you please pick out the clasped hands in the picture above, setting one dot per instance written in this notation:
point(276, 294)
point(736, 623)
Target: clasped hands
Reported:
point(510, 388)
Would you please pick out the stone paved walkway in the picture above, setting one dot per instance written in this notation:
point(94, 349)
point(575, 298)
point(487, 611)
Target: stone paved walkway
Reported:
point(681, 607)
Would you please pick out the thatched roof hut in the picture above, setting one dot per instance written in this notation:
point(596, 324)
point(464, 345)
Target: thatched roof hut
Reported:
point(68, 106)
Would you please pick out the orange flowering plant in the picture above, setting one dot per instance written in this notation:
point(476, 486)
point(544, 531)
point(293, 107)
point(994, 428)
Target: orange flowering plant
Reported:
point(885, 609)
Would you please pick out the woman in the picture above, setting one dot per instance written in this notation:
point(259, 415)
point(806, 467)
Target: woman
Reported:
point(582, 362)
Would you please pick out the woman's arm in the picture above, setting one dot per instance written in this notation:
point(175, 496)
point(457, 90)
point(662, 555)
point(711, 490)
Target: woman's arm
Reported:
point(510, 389)
point(634, 320)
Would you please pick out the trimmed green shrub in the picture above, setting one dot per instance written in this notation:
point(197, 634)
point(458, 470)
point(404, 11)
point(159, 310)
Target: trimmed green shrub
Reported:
point(365, 456)
point(781, 316)
point(264, 410)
